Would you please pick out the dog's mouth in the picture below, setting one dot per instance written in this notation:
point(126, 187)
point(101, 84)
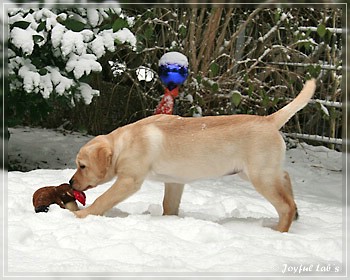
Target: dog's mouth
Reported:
point(87, 188)
point(84, 189)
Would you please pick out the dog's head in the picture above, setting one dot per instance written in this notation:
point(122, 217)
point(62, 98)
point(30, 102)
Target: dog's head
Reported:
point(93, 162)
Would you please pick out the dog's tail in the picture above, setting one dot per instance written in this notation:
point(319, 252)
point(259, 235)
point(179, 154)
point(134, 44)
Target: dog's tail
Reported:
point(280, 117)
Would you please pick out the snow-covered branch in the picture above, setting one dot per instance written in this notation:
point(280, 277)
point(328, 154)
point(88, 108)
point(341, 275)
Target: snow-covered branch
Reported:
point(273, 29)
point(330, 29)
point(317, 138)
point(297, 64)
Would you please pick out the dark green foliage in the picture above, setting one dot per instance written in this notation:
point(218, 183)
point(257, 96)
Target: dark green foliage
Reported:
point(242, 60)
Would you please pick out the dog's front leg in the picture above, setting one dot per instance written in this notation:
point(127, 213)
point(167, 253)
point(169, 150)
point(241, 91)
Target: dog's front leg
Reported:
point(120, 190)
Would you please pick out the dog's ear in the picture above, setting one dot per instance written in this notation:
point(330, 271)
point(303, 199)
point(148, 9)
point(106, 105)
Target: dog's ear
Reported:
point(104, 157)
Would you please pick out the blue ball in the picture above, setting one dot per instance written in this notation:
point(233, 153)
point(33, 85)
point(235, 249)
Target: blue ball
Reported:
point(173, 75)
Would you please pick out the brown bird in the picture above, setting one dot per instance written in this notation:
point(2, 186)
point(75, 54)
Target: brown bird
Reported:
point(62, 195)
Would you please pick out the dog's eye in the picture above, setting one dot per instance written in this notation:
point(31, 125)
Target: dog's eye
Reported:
point(82, 166)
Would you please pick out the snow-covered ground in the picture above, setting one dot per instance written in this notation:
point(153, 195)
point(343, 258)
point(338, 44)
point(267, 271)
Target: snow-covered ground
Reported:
point(223, 226)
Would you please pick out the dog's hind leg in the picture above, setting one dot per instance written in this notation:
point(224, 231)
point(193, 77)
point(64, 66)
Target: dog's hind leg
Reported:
point(276, 188)
point(172, 198)
point(288, 185)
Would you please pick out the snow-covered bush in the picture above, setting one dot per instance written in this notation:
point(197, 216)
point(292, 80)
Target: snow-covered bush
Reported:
point(53, 52)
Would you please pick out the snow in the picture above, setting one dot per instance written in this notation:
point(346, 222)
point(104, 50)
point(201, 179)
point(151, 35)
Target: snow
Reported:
point(87, 92)
point(79, 50)
point(324, 109)
point(93, 17)
point(197, 111)
point(330, 29)
point(57, 35)
point(296, 64)
point(309, 40)
point(23, 39)
point(46, 85)
point(31, 78)
point(62, 84)
point(33, 81)
point(223, 224)
point(273, 29)
point(105, 41)
point(117, 67)
point(73, 42)
point(144, 74)
point(97, 46)
point(108, 39)
point(126, 36)
point(173, 58)
point(82, 64)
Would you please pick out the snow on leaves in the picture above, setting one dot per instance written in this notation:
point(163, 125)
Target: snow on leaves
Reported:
point(83, 64)
point(73, 40)
point(23, 39)
point(30, 76)
point(87, 92)
point(125, 36)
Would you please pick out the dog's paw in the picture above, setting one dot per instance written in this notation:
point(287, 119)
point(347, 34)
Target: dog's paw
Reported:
point(80, 214)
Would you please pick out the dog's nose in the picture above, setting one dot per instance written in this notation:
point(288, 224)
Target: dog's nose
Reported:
point(71, 182)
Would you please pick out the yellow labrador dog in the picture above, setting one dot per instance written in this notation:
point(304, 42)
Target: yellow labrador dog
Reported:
point(177, 150)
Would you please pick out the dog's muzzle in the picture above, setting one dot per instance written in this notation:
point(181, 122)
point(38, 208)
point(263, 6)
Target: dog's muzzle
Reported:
point(71, 182)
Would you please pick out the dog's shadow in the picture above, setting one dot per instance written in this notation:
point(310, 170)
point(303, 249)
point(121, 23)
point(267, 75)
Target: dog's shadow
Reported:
point(234, 220)
point(250, 221)
point(116, 213)
point(228, 221)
